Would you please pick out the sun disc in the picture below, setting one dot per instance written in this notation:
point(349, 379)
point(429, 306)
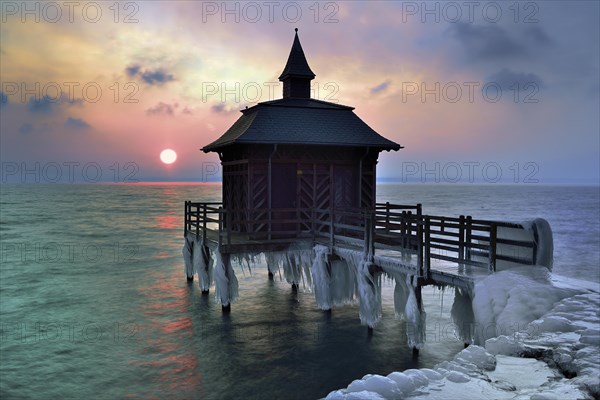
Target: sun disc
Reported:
point(168, 156)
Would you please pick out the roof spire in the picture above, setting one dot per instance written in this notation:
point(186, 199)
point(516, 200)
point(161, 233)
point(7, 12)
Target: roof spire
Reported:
point(296, 75)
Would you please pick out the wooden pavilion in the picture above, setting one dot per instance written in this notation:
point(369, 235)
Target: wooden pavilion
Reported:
point(296, 153)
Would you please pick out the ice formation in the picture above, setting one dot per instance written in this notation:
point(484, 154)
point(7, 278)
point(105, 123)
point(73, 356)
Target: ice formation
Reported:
point(548, 348)
point(295, 264)
point(187, 256)
point(202, 264)
point(462, 315)
point(537, 231)
point(321, 273)
point(343, 285)
point(369, 290)
point(226, 284)
point(415, 319)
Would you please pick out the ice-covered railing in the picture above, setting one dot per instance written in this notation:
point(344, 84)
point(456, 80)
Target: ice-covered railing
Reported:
point(461, 240)
point(464, 240)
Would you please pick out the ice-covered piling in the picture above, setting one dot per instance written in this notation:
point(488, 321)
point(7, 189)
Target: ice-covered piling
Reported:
point(343, 285)
point(463, 316)
point(187, 257)
point(321, 276)
point(415, 315)
point(369, 293)
point(226, 284)
point(202, 264)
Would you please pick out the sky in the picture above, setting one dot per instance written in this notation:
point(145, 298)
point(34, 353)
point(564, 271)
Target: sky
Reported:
point(475, 91)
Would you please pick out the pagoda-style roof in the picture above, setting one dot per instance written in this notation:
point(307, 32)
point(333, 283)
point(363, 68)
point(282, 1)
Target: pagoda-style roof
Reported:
point(300, 120)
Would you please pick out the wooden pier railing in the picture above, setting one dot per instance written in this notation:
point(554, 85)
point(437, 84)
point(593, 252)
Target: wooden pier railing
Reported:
point(462, 240)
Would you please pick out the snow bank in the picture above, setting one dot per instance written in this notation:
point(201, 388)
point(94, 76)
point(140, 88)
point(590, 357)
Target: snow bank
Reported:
point(548, 348)
point(505, 302)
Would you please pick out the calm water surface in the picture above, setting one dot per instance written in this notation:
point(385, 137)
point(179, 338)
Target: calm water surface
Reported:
point(94, 301)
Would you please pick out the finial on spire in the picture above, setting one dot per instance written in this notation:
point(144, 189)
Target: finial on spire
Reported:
point(296, 75)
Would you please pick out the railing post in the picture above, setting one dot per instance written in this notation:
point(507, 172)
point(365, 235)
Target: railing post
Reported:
point(461, 238)
point(387, 216)
point(403, 230)
point(492, 253)
point(228, 216)
point(197, 220)
point(270, 225)
point(204, 216)
point(468, 239)
point(185, 218)
point(220, 211)
point(420, 246)
point(331, 227)
point(313, 224)
point(369, 245)
point(419, 209)
point(427, 255)
point(534, 248)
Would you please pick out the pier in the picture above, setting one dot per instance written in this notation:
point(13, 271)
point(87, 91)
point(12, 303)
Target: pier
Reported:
point(299, 189)
point(399, 241)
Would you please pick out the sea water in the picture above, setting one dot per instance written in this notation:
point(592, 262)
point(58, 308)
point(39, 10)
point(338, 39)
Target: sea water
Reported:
point(94, 302)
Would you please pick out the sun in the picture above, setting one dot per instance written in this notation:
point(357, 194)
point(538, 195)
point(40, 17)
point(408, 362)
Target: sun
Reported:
point(168, 156)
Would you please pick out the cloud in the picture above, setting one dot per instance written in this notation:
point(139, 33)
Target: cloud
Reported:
point(26, 128)
point(187, 110)
point(47, 104)
point(381, 87)
point(222, 108)
point(537, 36)
point(132, 70)
point(156, 77)
point(76, 123)
point(162, 108)
point(487, 42)
point(43, 105)
point(218, 108)
point(510, 80)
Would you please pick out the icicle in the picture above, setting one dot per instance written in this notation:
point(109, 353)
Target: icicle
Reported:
point(272, 262)
point(343, 283)
point(401, 293)
point(369, 290)
point(226, 284)
point(305, 260)
point(202, 264)
point(415, 319)
point(463, 316)
point(187, 256)
point(246, 258)
point(322, 279)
